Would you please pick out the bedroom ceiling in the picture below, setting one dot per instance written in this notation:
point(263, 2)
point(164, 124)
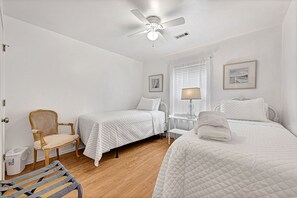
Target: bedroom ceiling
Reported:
point(106, 23)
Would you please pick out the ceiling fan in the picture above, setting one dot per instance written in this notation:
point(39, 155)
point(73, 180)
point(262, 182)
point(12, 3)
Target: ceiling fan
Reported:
point(154, 25)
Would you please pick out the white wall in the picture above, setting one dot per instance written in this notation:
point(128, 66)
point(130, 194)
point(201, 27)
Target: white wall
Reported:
point(263, 46)
point(289, 69)
point(50, 71)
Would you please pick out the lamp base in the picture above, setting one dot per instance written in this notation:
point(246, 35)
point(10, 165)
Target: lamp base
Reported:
point(191, 109)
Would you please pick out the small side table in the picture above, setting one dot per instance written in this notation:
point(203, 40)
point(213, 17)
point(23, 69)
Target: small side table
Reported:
point(176, 130)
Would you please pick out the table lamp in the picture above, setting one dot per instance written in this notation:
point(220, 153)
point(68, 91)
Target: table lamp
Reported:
point(191, 94)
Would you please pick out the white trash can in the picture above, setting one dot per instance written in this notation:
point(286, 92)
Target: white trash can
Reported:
point(16, 160)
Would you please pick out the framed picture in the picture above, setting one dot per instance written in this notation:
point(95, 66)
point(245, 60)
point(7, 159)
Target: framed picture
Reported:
point(240, 75)
point(156, 83)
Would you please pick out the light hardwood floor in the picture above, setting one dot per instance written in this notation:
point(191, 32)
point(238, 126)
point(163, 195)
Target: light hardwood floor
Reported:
point(133, 174)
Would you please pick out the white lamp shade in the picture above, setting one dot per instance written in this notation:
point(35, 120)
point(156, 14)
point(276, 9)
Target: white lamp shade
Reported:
point(191, 93)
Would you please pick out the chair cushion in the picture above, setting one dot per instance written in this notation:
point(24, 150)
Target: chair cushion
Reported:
point(53, 141)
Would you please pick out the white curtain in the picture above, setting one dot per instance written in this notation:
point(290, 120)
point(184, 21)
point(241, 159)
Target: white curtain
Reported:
point(186, 76)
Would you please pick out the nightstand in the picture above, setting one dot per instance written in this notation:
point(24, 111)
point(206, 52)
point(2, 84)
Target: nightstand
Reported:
point(176, 130)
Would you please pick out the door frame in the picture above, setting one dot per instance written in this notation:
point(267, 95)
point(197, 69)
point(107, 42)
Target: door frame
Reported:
point(2, 94)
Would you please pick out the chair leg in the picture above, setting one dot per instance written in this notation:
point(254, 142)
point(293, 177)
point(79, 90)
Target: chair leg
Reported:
point(57, 151)
point(47, 156)
point(35, 159)
point(76, 147)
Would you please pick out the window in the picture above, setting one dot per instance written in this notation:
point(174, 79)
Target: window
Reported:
point(187, 76)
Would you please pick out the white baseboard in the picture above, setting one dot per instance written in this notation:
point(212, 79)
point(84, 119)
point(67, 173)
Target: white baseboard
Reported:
point(40, 157)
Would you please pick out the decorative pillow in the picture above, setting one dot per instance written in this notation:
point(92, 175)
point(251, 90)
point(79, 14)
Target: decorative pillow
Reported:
point(146, 104)
point(253, 110)
point(157, 102)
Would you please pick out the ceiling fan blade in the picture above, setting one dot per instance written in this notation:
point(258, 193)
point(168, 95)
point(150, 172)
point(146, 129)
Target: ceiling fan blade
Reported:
point(161, 36)
point(140, 16)
point(174, 22)
point(138, 33)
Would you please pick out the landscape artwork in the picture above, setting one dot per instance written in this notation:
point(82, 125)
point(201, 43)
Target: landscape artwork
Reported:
point(240, 75)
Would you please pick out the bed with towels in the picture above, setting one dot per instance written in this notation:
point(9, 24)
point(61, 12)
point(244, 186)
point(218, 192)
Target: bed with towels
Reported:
point(248, 157)
point(101, 132)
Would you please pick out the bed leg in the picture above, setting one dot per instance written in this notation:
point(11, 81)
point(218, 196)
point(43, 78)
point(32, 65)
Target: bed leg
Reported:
point(117, 153)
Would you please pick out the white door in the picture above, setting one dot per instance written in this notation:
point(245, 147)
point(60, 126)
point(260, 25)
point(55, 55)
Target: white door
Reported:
point(2, 95)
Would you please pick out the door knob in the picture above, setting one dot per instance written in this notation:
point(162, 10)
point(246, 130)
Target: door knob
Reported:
point(5, 120)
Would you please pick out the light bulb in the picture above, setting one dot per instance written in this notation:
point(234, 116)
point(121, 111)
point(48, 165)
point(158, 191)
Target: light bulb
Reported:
point(152, 35)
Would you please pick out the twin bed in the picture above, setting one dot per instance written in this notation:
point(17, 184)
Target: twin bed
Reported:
point(259, 161)
point(101, 132)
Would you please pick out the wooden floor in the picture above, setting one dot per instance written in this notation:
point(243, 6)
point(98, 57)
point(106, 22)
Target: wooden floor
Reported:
point(133, 174)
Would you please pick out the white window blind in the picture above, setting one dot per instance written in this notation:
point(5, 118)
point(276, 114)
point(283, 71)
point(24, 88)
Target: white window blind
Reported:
point(187, 76)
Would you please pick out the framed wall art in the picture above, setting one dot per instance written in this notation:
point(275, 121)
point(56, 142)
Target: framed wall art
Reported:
point(241, 75)
point(156, 83)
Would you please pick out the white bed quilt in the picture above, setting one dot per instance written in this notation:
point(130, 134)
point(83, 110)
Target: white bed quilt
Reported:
point(101, 132)
point(260, 161)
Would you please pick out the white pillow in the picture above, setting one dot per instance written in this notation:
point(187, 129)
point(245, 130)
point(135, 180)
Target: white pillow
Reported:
point(157, 102)
point(253, 110)
point(146, 104)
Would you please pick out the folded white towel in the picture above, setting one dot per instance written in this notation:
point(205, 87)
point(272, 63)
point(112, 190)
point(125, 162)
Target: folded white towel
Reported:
point(214, 133)
point(213, 125)
point(212, 118)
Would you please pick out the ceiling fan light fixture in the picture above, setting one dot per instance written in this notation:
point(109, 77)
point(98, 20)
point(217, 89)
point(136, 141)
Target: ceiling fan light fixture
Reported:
point(153, 24)
point(152, 35)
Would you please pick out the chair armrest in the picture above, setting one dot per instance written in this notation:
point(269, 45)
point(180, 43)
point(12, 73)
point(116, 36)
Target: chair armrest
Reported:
point(41, 135)
point(68, 124)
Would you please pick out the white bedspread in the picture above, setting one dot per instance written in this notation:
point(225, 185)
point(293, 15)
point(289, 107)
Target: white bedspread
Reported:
point(101, 132)
point(260, 161)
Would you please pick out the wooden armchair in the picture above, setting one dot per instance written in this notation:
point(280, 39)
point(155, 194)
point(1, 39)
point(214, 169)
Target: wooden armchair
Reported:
point(44, 124)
